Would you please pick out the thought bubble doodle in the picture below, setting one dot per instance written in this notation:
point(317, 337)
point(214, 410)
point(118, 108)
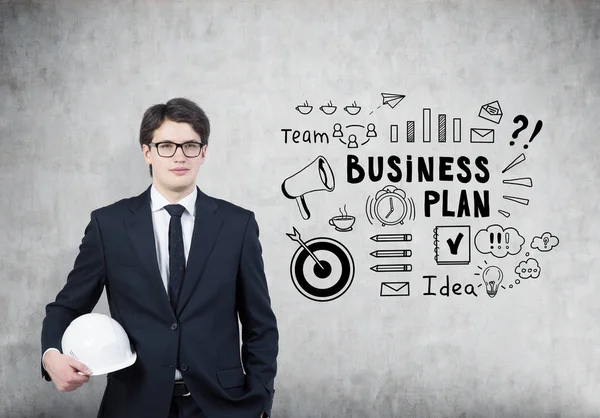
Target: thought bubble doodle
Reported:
point(499, 241)
point(529, 268)
point(544, 243)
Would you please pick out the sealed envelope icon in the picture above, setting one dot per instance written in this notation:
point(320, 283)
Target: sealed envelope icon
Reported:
point(395, 289)
point(480, 135)
point(491, 111)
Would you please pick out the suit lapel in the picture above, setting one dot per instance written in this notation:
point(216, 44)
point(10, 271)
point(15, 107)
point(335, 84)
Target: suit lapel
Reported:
point(141, 231)
point(207, 224)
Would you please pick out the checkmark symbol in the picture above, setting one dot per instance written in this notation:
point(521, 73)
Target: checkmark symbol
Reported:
point(454, 245)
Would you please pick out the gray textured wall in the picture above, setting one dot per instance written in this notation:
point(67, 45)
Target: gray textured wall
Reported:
point(75, 78)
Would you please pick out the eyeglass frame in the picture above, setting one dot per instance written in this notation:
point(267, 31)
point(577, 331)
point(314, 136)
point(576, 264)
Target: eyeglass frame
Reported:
point(177, 146)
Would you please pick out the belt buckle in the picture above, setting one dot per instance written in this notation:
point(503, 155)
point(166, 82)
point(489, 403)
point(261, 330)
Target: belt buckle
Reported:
point(183, 383)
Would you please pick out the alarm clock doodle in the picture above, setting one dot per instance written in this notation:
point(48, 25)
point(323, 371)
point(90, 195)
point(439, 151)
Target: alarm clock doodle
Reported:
point(390, 206)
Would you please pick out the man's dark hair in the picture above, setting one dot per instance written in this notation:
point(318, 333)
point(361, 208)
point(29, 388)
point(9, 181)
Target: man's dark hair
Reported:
point(178, 109)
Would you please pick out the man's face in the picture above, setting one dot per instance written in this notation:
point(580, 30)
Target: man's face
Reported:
point(163, 168)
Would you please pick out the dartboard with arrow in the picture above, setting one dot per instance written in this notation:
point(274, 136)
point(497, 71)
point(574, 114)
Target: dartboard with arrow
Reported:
point(322, 269)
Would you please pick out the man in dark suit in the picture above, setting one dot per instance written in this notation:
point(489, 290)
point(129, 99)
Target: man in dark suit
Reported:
point(179, 267)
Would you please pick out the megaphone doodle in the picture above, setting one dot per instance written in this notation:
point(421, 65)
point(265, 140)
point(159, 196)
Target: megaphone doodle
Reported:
point(316, 176)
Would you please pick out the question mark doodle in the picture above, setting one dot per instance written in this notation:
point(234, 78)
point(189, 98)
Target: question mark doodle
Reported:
point(523, 120)
point(517, 119)
point(546, 239)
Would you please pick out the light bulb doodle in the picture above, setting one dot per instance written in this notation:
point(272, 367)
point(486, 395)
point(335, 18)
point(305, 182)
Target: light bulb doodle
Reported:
point(492, 277)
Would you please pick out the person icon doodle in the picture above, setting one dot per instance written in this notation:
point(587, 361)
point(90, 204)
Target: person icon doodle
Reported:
point(352, 143)
point(337, 131)
point(371, 131)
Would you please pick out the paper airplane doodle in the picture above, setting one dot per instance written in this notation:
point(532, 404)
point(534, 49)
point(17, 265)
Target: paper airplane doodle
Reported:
point(392, 99)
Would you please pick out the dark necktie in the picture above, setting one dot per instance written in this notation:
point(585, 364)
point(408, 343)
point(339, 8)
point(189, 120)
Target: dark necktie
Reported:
point(176, 253)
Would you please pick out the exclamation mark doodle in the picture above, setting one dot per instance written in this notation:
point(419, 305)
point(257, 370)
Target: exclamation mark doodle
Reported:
point(507, 235)
point(492, 240)
point(499, 240)
point(524, 122)
point(536, 130)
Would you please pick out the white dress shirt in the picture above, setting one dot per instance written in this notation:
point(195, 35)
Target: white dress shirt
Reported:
point(160, 221)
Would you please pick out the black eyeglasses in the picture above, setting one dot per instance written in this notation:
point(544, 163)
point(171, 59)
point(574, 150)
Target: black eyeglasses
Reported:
point(168, 149)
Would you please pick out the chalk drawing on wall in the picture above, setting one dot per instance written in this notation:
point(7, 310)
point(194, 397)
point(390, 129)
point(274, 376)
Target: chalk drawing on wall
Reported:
point(390, 99)
point(328, 109)
point(529, 268)
point(391, 268)
point(427, 125)
point(391, 237)
point(499, 241)
point(390, 206)
point(322, 269)
point(504, 213)
point(352, 109)
point(316, 176)
point(393, 134)
point(304, 108)
point(492, 278)
point(516, 199)
point(518, 160)
point(391, 253)
point(371, 133)
point(410, 131)
point(352, 141)
point(394, 289)
point(544, 243)
point(342, 222)
point(491, 111)
point(337, 131)
point(456, 129)
point(442, 127)
point(524, 122)
point(452, 244)
point(482, 136)
point(521, 181)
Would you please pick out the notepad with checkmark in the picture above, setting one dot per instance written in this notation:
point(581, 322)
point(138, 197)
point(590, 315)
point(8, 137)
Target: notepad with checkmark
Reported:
point(452, 244)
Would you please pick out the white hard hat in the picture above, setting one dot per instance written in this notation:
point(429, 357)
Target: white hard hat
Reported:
point(99, 342)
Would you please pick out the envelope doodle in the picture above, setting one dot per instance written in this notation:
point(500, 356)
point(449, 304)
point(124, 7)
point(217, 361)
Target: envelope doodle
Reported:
point(491, 111)
point(395, 289)
point(481, 135)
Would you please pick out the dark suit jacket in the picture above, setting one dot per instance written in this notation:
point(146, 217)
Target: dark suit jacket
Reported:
point(224, 277)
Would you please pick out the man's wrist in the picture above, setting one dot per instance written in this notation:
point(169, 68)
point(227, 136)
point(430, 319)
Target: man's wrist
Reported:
point(44, 356)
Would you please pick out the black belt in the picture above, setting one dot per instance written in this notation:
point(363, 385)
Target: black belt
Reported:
point(180, 389)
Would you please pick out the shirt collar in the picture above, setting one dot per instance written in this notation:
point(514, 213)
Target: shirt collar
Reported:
point(159, 201)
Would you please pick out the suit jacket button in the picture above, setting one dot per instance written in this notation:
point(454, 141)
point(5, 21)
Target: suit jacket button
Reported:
point(183, 367)
point(174, 327)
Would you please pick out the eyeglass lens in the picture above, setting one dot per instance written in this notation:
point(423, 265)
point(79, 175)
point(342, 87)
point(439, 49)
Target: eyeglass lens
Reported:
point(168, 149)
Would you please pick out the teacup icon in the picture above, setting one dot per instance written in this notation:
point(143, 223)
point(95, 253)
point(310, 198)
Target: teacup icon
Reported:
point(342, 223)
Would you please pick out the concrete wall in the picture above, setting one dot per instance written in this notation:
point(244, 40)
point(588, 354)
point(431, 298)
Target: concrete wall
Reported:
point(76, 77)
